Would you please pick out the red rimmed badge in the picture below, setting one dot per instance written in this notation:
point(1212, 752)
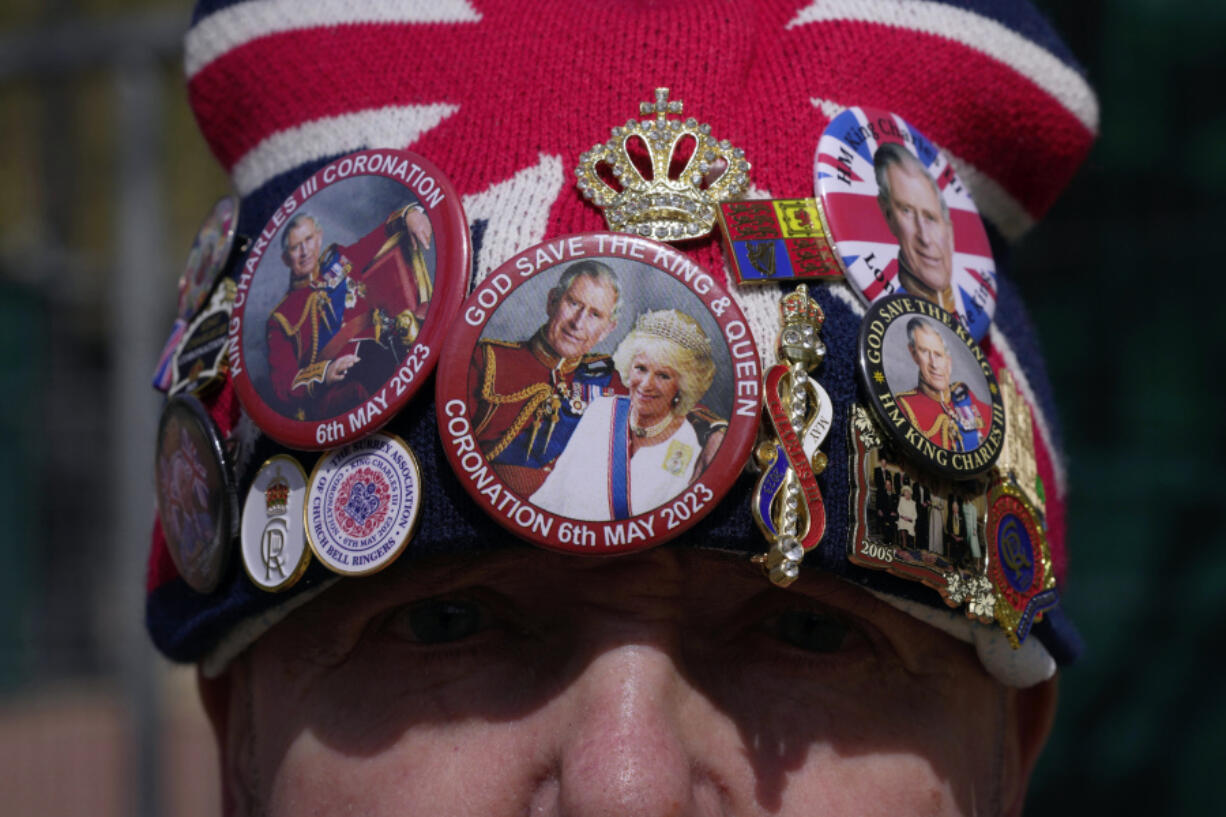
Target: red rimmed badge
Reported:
point(600, 394)
point(345, 296)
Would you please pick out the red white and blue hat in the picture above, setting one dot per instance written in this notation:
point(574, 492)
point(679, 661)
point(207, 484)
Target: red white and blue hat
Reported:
point(504, 101)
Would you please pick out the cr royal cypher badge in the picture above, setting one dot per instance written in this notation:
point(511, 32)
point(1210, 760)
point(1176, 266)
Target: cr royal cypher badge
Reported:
point(601, 393)
point(345, 296)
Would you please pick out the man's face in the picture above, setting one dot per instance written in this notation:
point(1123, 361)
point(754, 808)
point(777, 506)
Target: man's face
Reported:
point(581, 316)
point(932, 359)
point(667, 683)
point(302, 250)
point(915, 218)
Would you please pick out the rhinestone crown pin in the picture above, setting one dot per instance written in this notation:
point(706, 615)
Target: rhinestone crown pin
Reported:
point(662, 206)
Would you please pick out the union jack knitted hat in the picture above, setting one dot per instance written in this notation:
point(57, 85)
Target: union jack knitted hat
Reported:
point(504, 96)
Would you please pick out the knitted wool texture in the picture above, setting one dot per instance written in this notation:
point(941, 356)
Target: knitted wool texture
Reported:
point(504, 97)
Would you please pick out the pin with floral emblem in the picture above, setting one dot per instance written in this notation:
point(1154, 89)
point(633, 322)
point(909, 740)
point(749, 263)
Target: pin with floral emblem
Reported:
point(345, 297)
point(931, 386)
point(196, 504)
point(600, 394)
point(208, 257)
point(274, 546)
point(900, 218)
point(787, 502)
point(1019, 563)
point(363, 502)
point(631, 177)
point(200, 360)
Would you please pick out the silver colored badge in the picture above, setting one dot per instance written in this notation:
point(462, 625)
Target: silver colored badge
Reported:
point(274, 547)
point(363, 501)
point(195, 493)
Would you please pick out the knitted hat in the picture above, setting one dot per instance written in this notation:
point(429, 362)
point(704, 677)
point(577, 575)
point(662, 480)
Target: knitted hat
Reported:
point(504, 97)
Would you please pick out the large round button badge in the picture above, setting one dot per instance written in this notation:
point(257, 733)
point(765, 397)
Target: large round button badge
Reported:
point(195, 493)
point(345, 297)
point(931, 386)
point(900, 218)
point(600, 394)
point(363, 501)
point(274, 546)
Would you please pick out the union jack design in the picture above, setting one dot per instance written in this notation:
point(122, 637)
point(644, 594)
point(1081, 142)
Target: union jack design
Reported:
point(846, 181)
point(506, 101)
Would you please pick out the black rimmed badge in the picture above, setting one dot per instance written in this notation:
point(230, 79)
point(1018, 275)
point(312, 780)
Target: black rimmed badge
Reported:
point(931, 387)
point(195, 493)
point(600, 394)
point(345, 297)
point(205, 261)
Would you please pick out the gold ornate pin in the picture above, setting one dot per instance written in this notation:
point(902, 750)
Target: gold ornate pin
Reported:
point(787, 501)
point(657, 204)
point(1017, 461)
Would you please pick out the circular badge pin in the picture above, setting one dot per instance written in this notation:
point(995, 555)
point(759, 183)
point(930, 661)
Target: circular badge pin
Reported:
point(195, 493)
point(345, 296)
point(200, 359)
point(600, 393)
point(931, 386)
point(208, 256)
point(363, 501)
point(900, 218)
point(274, 546)
point(1019, 563)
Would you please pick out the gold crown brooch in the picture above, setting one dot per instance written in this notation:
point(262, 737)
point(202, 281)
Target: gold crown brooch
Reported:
point(657, 204)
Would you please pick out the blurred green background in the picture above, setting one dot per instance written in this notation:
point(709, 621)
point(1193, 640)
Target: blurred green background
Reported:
point(1119, 277)
point(1122, 280)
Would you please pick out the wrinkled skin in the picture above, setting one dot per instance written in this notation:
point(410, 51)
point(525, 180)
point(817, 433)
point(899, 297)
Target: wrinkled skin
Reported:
point(667, 683)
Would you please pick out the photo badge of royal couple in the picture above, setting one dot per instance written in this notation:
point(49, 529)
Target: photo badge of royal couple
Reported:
point(350, 315)
point(528, 397)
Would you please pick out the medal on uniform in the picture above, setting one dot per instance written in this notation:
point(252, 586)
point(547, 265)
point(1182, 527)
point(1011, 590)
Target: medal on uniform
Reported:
point(345, 297)
point(205, 262)
point(196, 504)
point(363, 502)
point(787, 502)
point(600, 394)
point(200, 359)
point(931, 386)
point(274, 546)
point(649, 200)
point(900, 218)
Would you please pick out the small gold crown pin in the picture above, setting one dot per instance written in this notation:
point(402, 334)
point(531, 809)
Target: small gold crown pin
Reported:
point(657, 205)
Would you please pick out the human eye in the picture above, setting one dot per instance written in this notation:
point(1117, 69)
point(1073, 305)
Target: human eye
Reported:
point(439, 621)
point(813, 631)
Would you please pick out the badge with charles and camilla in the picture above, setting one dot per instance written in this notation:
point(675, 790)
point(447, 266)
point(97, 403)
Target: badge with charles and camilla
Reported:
point(600, 394)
